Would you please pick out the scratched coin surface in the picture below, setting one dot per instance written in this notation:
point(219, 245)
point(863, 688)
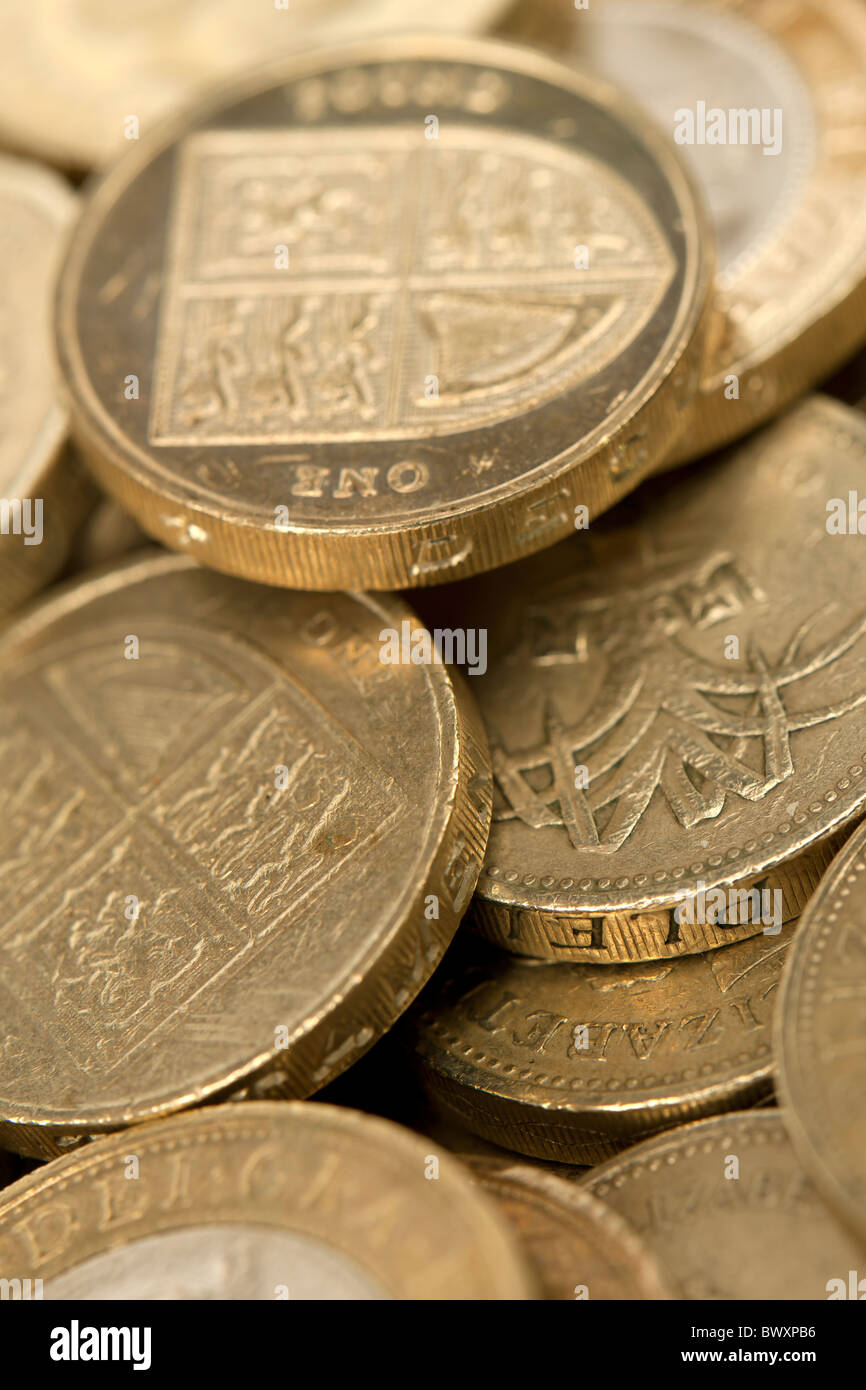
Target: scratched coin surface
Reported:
point(729, 1212)
point(317, 336)
point(582, 1249)
point(220, 867)
point(767, 103)
point(264, 1200)
point(676, 702)
point(821, 1036)
point(43, 494)
point(572, 1062)
point(74, 74)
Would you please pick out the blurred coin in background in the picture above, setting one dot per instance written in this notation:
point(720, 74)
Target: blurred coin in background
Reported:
point(767, 103)
point(44, 494)
point(81, 78)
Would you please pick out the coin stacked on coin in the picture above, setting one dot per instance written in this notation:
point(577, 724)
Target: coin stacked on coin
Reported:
point(445, 315)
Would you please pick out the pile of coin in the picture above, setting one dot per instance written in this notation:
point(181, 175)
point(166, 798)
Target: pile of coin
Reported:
point(502, 937)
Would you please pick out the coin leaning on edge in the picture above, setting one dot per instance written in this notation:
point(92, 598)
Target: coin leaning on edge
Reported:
point(262, 1200)
point(309, 345)
point(222, 871)
point(820, 1036)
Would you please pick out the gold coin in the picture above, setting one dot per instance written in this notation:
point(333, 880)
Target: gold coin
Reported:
point(580, 1247)
point(821, 1036)
point(312, 346)
point(266, 1200)
point(676, 703)
point(81, 78)
point(222, 868)
point(43, 495)
point(728, 1212)
point(767, 103)
point(572, 1062)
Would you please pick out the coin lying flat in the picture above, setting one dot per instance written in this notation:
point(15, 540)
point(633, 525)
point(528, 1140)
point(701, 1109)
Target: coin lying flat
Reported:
point(676, 703)
point(820, 1038)
point(767, 102)
point(387, 319)
point(43, 495)
point(139, 64)
point(265, 1200)
point(728, 1212)
point(581, 1249)
point(572, 1062)
point(220, 868)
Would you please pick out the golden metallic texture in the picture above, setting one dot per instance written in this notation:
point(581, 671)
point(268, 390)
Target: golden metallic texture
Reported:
point(729, 1213)
point(676, 702)
point(312, 339)
point(820, 1038)
point(222, 868)
point(265, 1200)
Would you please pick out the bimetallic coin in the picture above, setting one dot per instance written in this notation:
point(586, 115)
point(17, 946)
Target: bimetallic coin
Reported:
point(389, 317)
point(265, 1200)
point(727, 1210)
point(43, 495)
point(581, 1248)
point(572, 1062)
point(220, 868)
point(820, 1038)
point(676, 703)
point(767, 102)
point(80, 78)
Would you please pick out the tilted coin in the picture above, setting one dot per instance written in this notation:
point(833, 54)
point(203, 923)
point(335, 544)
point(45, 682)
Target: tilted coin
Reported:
point(264, 1200)
point(387, 318)
point(581, 1248)
point(572, 1062)
point(43, 494)
point(728, 1211)
point(821, 1036)
point(220, 867)
point(767, 102)
point(80, 78)
point(676, 702)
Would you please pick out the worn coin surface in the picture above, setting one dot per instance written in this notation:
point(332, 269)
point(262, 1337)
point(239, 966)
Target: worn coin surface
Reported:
point(43, 494)
point(388, 318)
point(821, 1036)
point(572, 1062)
point(767, 102)
point(264, 1200)
point(220, 867)
point(729, 1212)
point(582, 1249)
point(80, 78)
point(676, 702)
